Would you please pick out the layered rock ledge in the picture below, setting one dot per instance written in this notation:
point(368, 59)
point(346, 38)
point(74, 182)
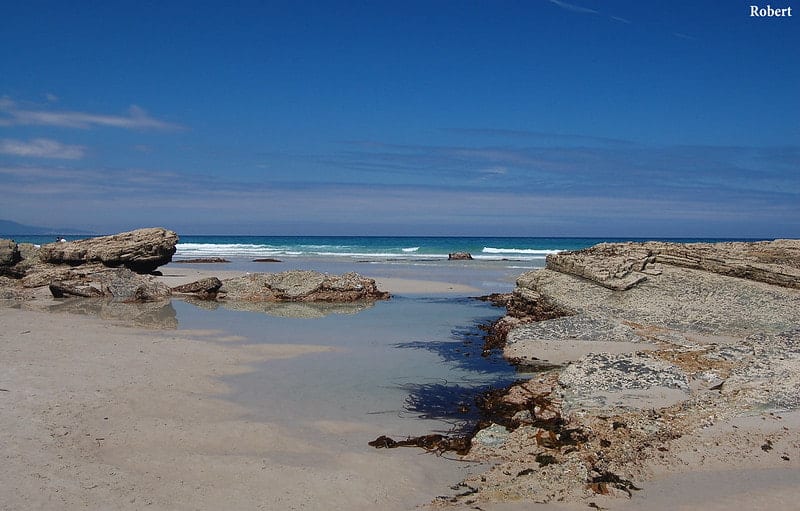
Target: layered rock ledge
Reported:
point(656, 345)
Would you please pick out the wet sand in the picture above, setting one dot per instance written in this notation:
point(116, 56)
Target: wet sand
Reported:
point(106, 417)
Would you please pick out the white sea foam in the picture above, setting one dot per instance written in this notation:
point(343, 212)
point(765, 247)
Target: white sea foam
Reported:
point(529, 251)
point(192, 250)
point(244, 250)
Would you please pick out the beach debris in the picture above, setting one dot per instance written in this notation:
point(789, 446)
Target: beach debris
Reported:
point(604, 481)
point(434, 442)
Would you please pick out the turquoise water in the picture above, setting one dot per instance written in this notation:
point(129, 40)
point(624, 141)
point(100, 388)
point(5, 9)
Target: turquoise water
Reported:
point(373, 248)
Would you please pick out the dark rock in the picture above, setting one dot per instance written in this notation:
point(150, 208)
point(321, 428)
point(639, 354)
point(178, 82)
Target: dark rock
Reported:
point(142, 250)
point(459, 256)
point(64, 289)
point(204, 288)
point(202, 260)
point(266, 260)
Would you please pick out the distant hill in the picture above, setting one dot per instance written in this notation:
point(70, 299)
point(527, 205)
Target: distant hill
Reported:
point(8, 227)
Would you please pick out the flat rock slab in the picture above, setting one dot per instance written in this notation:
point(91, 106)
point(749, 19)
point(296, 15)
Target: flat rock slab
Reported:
point(301, 286)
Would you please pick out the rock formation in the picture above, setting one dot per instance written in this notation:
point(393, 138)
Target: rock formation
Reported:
point(654, 342)
point(301, 286)
point(142, 250)
point(205, 289)
point(110, 267)
point(621, 266)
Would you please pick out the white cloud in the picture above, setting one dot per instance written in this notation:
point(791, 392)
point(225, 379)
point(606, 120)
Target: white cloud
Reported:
point(573, 8)
point(41, 148)
point(137, 118)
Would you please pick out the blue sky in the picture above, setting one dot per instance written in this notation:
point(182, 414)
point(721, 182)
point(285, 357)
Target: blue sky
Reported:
point(530, 118)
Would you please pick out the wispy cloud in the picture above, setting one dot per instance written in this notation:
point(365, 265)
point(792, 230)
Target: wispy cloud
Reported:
point(41, 148)
point(138, 119)
point(539, 136)
point(585, 10)
point(572, 7)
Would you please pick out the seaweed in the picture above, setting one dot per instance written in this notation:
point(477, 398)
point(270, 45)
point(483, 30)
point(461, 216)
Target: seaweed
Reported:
point(600, 483)
point(432, 443)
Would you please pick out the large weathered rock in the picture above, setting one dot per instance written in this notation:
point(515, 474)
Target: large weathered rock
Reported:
point(621, 266)
point(142, 250)
point(301, 286)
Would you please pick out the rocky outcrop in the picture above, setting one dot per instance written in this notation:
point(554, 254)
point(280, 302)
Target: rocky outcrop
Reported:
point(301, 286)
point(774, 262)
point(655, 343)
point(621, 266)
point(142, 250)
point(96, 267)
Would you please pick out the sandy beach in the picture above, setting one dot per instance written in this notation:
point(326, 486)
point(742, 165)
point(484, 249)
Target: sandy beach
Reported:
point(100, 416)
